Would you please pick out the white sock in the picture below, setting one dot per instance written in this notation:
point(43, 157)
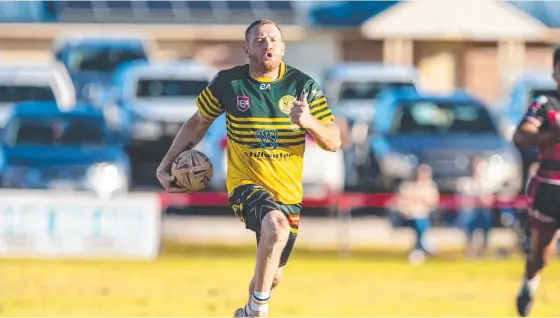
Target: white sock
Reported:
point(532, 284)
point(259, 301)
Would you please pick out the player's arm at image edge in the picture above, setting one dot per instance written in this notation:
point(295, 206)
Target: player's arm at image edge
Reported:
point(528, 135)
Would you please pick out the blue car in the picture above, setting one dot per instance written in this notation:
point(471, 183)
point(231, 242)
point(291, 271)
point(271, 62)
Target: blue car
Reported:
point(353, 90)
point(46, 148)
point(447, 132)
point(92, 61)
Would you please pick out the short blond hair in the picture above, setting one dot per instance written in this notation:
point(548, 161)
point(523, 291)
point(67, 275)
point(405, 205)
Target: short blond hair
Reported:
point(260, 23)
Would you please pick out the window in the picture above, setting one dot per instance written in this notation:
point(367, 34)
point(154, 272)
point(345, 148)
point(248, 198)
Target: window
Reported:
point(368, 90)
point(21, 93)
point(102, 58)
point(442, 118)
point(59, 132)
point(150, 88)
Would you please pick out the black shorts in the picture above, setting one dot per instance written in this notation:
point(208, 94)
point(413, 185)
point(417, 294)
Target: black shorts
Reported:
point(252, 202)
point(544, 205)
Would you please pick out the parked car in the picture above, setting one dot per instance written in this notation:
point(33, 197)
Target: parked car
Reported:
point(323, 171)
point(91, 59)
point(22, 81)
point(352, 90)
point(46, 148)
point(149, 102)
point(447, 132)
point(525, 89)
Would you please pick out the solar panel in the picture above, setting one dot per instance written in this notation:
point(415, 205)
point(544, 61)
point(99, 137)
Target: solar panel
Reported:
point(160, 5)
point(239, 5)
point(281, 5)
point(77, 4)
point(199, 5)
point(259, 5)
point(119, 4)
point(209, 11)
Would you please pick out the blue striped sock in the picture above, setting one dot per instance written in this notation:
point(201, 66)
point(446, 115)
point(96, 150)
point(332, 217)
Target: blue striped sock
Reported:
point(259, 301)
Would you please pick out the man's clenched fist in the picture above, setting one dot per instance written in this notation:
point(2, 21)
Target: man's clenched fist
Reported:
point(301, 114)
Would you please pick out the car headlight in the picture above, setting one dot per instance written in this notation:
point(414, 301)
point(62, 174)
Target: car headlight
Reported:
point(398, 165)
point(497, 164)
point(501, 159)
point(106, 179)
point(146, 130)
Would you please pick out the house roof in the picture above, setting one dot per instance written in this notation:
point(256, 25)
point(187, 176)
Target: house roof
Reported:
point(476, 20)
point(544, 11)
point(346, 13)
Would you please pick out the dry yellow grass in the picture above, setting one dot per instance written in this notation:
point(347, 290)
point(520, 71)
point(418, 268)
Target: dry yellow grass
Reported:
point(209, 285)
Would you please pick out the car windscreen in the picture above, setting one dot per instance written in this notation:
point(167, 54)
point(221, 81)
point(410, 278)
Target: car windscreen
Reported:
point(153, 88)
point(102, 58)
point(61, 131)
point(368, 90)
point(21, 93)
point(442, 118)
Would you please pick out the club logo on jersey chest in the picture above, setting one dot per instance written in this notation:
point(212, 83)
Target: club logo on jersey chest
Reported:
point(286, 103)
point(268, 138)
point(243, 103)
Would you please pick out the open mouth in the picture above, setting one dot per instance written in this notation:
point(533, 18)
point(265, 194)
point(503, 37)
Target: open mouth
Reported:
point(269, 55)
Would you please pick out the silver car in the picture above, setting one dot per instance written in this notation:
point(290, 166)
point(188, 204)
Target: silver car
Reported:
point(150, 101)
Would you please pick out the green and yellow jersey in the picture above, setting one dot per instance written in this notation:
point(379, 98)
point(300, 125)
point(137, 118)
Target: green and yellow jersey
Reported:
point(264, 147)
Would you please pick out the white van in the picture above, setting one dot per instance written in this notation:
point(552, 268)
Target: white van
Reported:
point(23, 81)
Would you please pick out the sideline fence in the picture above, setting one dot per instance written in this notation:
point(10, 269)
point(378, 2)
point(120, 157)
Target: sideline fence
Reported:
point(343, 205)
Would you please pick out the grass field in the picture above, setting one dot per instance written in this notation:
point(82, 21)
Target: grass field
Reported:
point(201, 283)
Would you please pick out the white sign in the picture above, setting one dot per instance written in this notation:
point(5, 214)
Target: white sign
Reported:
point(79, 225)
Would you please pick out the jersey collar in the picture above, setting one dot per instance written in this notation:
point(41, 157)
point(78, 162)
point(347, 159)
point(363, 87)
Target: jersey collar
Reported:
point(281, 74)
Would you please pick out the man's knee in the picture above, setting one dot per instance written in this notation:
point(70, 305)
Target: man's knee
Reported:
point(275, 228)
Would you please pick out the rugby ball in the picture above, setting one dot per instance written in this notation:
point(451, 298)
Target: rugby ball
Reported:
point(192, 170)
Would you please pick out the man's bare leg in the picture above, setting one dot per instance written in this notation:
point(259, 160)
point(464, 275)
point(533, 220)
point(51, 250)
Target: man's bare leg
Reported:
point(275, 282)
point(274, 235)
point(543, 247)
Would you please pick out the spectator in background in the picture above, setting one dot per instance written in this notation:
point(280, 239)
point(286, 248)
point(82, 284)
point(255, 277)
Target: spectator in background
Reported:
point(475, 211)
point(413, 204)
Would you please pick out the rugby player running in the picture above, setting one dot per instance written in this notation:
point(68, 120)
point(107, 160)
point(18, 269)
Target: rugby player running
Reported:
point(541, 128)
point(269, 108)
